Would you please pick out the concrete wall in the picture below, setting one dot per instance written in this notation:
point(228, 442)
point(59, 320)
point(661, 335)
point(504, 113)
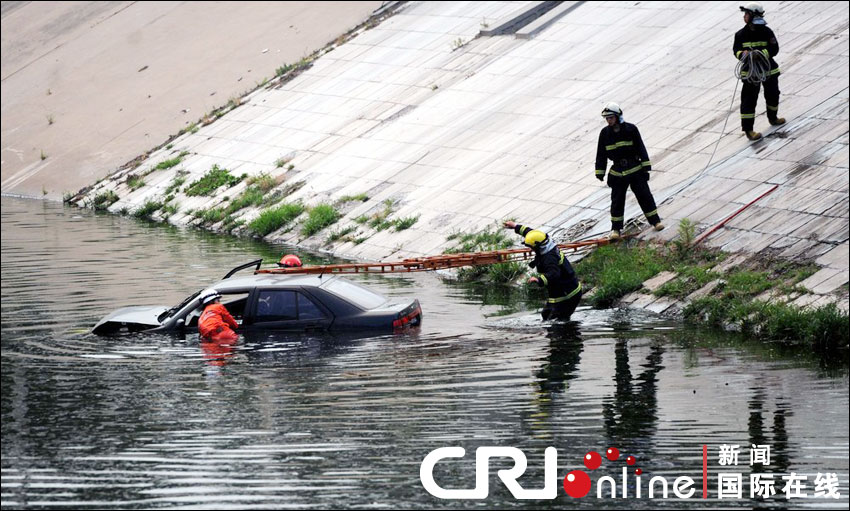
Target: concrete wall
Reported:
point(92, 85)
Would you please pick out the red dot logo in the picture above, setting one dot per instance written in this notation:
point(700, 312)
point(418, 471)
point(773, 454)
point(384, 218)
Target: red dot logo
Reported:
point(577, 484)
point(638, 471)
point(631, 460)
point(592, 460)
point(612, 453)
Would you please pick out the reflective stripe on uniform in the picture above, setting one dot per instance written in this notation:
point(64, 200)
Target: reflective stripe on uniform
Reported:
point(626, 172)
point(755, 44)
point(653, 212)
point(544, 279)
point(748, 116)
point(774, 108)
point(774, 71)
point(646, 164)
point(622, 143)
point(616, 219)
point(524, 231)
point(563, 298)
point(600, 172)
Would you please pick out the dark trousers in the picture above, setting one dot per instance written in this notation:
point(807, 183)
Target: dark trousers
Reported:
point(640, 187)
point(561, 310)
point(750, 98)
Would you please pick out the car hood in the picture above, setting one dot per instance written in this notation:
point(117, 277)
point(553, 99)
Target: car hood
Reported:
point(136, 318)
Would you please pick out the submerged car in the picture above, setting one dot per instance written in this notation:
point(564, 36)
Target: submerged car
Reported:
point(276, 302)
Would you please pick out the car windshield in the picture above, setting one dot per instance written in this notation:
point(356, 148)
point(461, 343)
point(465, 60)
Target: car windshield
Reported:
point(354, 293)
point(170, 312)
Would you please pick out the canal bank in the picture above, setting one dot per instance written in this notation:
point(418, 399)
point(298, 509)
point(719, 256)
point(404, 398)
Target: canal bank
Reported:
point(426, 126)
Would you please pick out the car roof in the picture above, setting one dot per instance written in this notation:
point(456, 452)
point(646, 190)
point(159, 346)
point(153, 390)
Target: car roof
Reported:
point(270, 279)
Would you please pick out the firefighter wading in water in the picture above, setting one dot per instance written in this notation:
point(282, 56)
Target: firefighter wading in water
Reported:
point(554, 272)
point(620, 142)
point(757, 37)
point(216, 323)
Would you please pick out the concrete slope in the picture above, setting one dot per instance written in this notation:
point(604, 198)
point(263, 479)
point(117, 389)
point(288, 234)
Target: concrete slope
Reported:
point(91, 85)
point(464, 131)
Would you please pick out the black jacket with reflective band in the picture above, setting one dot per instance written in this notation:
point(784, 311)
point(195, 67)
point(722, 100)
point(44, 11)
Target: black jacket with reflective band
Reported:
point(625, 148)
point(759, 38)
point(554, 271)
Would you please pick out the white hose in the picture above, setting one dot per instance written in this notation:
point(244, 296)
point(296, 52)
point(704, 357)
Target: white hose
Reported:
point(755, 64)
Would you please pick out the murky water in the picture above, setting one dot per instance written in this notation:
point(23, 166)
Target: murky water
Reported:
point(327, 421)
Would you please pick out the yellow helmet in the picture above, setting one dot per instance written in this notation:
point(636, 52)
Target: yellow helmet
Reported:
point(535, 238)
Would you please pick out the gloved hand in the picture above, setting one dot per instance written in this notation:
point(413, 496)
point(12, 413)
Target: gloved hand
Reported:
point(600, 177)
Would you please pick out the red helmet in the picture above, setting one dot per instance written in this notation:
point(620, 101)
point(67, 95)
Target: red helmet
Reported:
point(289, 261)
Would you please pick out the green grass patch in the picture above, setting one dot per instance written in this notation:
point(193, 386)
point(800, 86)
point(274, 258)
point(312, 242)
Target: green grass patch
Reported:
point(169, 209)
point(274, 218)
point(401, 224)
point(135, 182)
point(147, 209)
point(689, 280)
point(483, 241)
point(167, 164)
point(362, 197)
point(264, 182)
point(175, 184)
point(613, 271)
point(320, 217)
point(822, 328)
point(102, 201)
point(342, 234)
point(215, 178)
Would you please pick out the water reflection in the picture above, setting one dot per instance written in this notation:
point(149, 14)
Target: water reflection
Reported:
point(308, 420)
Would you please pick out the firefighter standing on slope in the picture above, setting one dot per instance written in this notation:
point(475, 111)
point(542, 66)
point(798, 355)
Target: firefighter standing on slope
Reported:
point(554, 272)
point(757, 37)
point(620, 142)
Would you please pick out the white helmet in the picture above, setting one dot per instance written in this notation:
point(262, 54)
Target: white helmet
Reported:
point(208, 296)
point(753, 7)
point(612, 108)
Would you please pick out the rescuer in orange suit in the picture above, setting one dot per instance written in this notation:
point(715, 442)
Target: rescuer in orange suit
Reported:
point(216, 323)
point(289, 261)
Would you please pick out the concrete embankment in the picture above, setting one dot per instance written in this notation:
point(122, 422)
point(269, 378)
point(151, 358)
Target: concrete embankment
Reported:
point(88, 86)
point(420, 127)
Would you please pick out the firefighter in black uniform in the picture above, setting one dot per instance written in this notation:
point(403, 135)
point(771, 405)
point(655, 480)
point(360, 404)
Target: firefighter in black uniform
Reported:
point(554, 272)
point(757, 37)
point(620, 142)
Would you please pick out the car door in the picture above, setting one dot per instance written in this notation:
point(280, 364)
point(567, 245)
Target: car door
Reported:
point(286, 309)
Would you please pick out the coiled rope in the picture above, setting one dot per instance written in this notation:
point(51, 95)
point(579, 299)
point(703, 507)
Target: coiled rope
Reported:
point(754, 67)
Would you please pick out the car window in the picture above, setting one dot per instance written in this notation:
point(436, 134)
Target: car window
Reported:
point(276, 305)
point(352, 292)
point(307, 309)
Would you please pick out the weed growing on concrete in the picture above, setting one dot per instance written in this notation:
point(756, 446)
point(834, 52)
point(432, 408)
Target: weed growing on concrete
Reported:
point(687, 230)
point(167, 164)
point(169, 209)
point(342, 234)
point(615, 271)
point(458, 43)
point(263, 182)
point(484, 241)
point(362, 197)
point(320, 217)
point(215, 178)
point(273, 219)
point(43, 155)
point(102, 201)
point(49, 120)
point(401, 224)
point(135, 182)
point(176, 183)
point(148, 209)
